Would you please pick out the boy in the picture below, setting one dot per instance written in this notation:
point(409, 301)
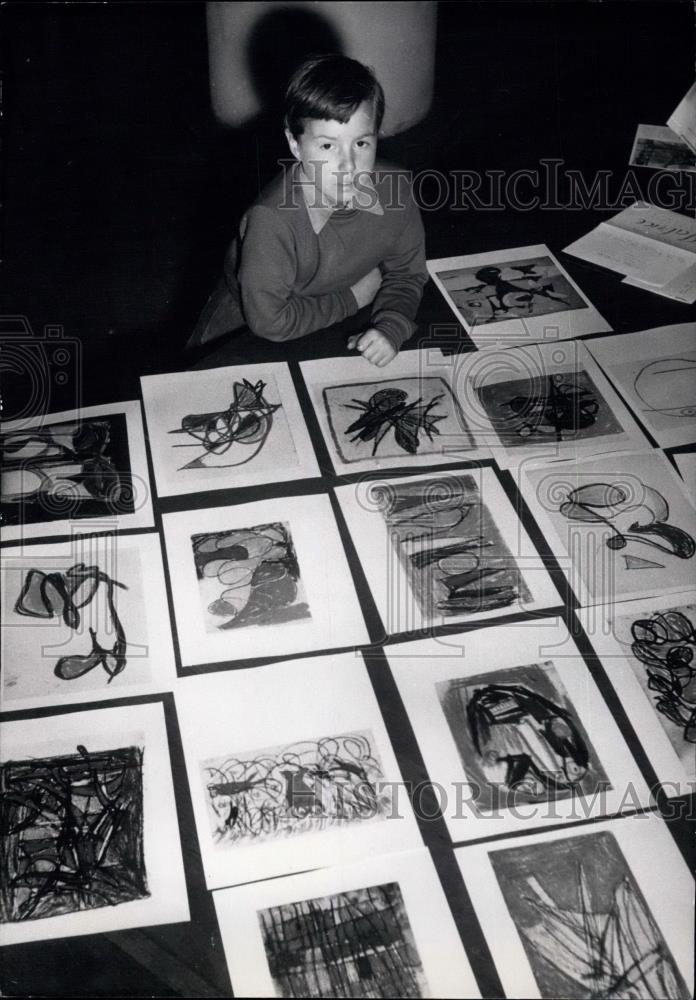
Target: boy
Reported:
point(329, 236)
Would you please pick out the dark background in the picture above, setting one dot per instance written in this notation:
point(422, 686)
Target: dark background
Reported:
point(121, 193)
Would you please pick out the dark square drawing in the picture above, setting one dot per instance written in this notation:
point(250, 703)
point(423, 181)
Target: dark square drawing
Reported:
point(448, 543)
point(296, 788)
point(394, 418)
point(583, 921)
point(72, 833)
point(353, 944)
point(249, 576)
point(515, 289)
point(72, 469)
point(565, 406)
point(519, 737)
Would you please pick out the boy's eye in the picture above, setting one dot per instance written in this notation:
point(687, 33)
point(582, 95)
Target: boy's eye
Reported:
point(325, 145)
point(363, 143)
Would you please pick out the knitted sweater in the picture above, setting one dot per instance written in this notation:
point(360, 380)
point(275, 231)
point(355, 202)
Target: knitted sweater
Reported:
point(289, 280)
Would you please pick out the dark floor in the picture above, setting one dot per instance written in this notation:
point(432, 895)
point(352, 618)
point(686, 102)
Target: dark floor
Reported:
point(121, 193)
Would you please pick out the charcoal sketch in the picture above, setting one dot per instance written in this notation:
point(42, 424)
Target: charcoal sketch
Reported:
point(63, 595)
point(632, 515)
point(303, 786)
point(74, 468)
point(668, 386)
point(249, 576)
point(560, 407)
point(584, 924)
point(72, 833)
point(509, 290)
point(233, 436)
point(352, 944)
point(394, 417)
point(447, 541)
point(519, 738)
point(665, 645)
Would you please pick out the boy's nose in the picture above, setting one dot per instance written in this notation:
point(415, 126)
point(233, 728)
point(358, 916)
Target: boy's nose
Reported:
point(347, 163)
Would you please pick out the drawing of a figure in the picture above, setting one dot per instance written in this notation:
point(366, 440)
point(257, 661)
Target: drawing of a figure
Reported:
point(585, 926)
point(519, 738)
point(72, 833)
point(293, 789)
point(76, 469)
point(668, 386)
point(631, 515)
point(449, 545)
point(353, 944)
point(233, 436)
point(666, 643)
point(63, 595)
point(249, 576)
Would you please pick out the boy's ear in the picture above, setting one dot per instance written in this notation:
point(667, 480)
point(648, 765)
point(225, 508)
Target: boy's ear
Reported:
point(293, 144)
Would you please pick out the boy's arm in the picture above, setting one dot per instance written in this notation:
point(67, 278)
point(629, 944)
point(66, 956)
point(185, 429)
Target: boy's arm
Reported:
point(403, 276)
point(266, 278)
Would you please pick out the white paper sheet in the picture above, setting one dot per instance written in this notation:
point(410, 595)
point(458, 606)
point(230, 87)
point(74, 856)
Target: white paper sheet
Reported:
point(655, 370)
point(657, 146)
point(686, 463)
point(516, 296)
point(282, 764)
point(495, 687)
point(40, 498)
point(681, 288)
point(456, 509)
point(285, 586)
point(632, 654)
point(421, 927)
point(99, 731)
point(639, 848)
point(113, 585)
point(629, 528)
point(683, 118)
point(545, 402)
point(422, 412)
point(249, 430)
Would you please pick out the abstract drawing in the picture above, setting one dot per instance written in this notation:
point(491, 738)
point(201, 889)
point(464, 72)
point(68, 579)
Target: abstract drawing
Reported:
point(249, 576)
point(390, 418)
point(75, 468)
point(560, 407)
point(668, 386)
point(72, 833)
point(233, 436)
point(584, 924)
point(303, 786)
point(633, 515)
point(665, 646)
point(62, 595)
point(352, 944)
point(450, 547)
point(510, 290)
point(518, 737)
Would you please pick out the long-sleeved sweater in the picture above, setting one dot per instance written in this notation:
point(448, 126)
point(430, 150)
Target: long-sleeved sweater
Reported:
point(288, 280)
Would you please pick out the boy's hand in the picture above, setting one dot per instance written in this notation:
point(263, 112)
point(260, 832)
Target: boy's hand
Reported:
point(374, 346)
point(367, 287)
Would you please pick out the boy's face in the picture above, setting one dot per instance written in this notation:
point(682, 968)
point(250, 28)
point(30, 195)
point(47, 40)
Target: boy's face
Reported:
point(334, 155)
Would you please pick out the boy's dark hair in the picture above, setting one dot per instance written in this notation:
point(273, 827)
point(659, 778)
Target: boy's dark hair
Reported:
point(331, 88)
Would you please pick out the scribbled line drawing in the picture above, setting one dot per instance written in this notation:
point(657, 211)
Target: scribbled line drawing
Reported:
point(396, 418)
point(62, 595)
point(518, 289)
point(450, 546)
point(558, 407)
point(518, 737)
point(666, 643)
point(72, 833)
point(668, 386)
point(249, 576)
point(584, 924)
point(643, 511)
point(235, 436)
point(80, 468)
point(307, 785)
point(352, 944)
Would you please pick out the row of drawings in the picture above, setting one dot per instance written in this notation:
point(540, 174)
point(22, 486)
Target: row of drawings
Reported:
point(244, 426)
